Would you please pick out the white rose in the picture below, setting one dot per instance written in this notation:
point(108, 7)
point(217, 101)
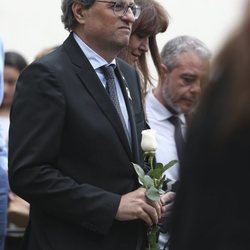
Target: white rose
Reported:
point(148, 142)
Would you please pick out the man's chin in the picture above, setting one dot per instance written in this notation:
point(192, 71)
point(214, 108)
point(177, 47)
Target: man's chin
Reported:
point(187, 110)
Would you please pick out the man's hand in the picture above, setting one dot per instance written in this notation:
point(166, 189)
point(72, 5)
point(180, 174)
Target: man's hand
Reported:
point(167, 201)
point(134, 205)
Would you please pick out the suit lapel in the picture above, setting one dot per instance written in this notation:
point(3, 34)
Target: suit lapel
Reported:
point(128, 101)
point(91, 82)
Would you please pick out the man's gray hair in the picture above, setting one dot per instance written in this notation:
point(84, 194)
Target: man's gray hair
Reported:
point(176, 46)
point(67, 17)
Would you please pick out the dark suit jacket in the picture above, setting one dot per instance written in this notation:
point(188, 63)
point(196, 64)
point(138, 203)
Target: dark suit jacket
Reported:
point(69, 156)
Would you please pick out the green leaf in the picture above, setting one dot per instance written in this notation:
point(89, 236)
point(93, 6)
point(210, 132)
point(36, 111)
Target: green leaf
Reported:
point(159, 165)
point(148, 181)
point(170, 164)
point(161, 181)
point(152, 194)
point(140, 172)
point(156, 173)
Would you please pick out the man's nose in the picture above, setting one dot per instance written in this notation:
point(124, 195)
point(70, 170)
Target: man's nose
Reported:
point(129, 15)
point(196, 87)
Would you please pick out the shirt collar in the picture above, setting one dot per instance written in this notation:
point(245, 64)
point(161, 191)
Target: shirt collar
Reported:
point(95, 59)
point(160, 111)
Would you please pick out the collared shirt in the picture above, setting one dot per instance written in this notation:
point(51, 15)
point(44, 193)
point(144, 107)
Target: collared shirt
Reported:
point(157, 117)
point(97, 62)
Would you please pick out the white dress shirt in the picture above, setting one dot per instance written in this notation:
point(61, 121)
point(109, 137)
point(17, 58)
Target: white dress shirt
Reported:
point(157, 117)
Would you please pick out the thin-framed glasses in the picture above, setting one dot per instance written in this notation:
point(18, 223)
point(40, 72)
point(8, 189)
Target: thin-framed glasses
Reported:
point(121, 8)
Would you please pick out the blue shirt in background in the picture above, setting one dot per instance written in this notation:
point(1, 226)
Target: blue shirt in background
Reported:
point(4, 187)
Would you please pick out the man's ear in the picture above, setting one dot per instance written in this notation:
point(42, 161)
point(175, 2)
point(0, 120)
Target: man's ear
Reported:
point(79, 12)
point(164, 71)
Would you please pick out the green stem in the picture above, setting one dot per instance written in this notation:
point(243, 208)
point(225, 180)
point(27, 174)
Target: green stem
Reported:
point(153, 238)
point(151, 161)
point(155, 184)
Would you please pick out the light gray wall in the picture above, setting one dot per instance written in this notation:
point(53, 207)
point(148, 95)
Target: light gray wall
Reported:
point(28, 26)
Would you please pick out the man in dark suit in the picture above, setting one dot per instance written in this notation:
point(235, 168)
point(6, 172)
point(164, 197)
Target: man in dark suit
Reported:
point(70, 154)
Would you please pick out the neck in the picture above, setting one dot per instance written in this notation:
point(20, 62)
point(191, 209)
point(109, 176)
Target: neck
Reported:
point(108, 53)
point(158, 95)
point(4, 110)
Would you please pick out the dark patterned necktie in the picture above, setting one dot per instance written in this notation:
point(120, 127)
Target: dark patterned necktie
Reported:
point(109, 74)
point(179, 141)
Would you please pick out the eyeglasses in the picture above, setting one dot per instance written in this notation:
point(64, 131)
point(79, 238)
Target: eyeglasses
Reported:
point(121, 8)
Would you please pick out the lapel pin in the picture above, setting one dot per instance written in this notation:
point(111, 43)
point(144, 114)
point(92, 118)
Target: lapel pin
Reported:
point(128, 93)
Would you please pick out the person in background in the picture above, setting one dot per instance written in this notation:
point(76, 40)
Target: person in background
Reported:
point(185, 69)
point(45, 51)
point(14, 63)
point(18, 209)
point(4, 186)
point(81, 191)
point(211, 210)
point(152, 21)
point(1, 69)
